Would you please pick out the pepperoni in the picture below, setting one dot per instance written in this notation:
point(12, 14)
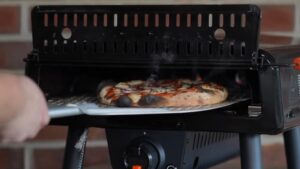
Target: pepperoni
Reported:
point(110, 93)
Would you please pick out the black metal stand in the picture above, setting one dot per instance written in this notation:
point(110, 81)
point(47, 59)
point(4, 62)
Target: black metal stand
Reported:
point(250, 150)
point(292, 147)
point(75, 148)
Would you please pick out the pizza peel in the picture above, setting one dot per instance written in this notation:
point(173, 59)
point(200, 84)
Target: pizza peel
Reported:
point(82, 105)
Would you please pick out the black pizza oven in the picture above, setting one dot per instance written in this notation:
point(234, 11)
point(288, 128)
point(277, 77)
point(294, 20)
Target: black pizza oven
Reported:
point(77, 47)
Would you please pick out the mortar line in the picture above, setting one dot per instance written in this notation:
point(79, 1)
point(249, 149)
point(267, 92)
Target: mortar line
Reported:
point(24, 7)
point(297, 21)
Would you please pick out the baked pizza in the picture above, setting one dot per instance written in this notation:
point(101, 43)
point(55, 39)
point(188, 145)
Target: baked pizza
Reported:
point(161, 93)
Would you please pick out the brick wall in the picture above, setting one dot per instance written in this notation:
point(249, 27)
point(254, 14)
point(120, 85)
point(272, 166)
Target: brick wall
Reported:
point(280, 18)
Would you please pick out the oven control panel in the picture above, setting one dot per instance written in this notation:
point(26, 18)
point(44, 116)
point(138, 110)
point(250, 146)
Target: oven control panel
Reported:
point(142, 155)
point(161, 149)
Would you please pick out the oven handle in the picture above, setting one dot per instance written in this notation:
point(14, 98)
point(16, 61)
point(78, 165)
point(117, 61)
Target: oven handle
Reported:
point(63, 111)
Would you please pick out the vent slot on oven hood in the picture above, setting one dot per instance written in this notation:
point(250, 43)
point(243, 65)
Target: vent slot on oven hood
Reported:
point(180, 35)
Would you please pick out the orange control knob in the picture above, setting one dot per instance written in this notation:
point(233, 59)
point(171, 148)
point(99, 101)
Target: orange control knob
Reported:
point(296, 63)
point(136, 167)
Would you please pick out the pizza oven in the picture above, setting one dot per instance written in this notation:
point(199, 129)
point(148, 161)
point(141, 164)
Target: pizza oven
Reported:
point(77, 47)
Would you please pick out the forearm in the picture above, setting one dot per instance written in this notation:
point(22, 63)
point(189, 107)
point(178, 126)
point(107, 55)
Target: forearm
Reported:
point(11, 96)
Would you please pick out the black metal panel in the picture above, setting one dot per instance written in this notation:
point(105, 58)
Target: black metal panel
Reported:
point(177, 149)
point(136, 34)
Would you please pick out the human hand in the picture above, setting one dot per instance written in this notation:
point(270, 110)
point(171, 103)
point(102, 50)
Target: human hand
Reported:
point(28, 110)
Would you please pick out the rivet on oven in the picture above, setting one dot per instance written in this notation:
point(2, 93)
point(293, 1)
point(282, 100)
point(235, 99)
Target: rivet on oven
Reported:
point(219, 34)
point(66, 33)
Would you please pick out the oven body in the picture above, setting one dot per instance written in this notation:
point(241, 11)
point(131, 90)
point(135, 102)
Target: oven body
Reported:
point(76, 47)
point(155, 149)
point(135, 42)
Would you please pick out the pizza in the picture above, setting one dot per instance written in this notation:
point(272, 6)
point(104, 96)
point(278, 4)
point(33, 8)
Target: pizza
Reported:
point(161, 93)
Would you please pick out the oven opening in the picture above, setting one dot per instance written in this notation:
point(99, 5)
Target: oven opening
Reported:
point(81, 83)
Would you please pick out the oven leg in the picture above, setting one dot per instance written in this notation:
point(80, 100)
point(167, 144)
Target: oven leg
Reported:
point(292, 147)
point(75, 147)
point(250, 150)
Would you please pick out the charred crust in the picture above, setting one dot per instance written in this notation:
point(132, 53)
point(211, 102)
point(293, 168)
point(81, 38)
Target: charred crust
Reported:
point(149, 100)
point(103, 84)
point(202, 90)
point(124, 101)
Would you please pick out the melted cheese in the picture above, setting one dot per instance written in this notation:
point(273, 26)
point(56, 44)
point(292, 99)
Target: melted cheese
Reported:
point(161, 90)
point(135, 97)
point(122, 85)
point(135, 82)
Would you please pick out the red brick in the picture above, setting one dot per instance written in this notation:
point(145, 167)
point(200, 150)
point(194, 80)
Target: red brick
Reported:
point(9, 19)
point(96, 134)
point(13, 54)
point(53, 158)
point(52, 133)
point(96, 156)
point(275, 40)
point(11, 158)
point(274, 156)
point(48, 158)
point(60, 133)
point(278, 17)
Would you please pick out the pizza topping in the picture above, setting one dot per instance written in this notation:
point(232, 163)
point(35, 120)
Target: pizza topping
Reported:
point(124, 101)
point(135, 82)
point(122, 85)
point(104, 91)
point(148, 100)
point(135, 97)
point(186, 81)
point(202, 89)
point(161, 89)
